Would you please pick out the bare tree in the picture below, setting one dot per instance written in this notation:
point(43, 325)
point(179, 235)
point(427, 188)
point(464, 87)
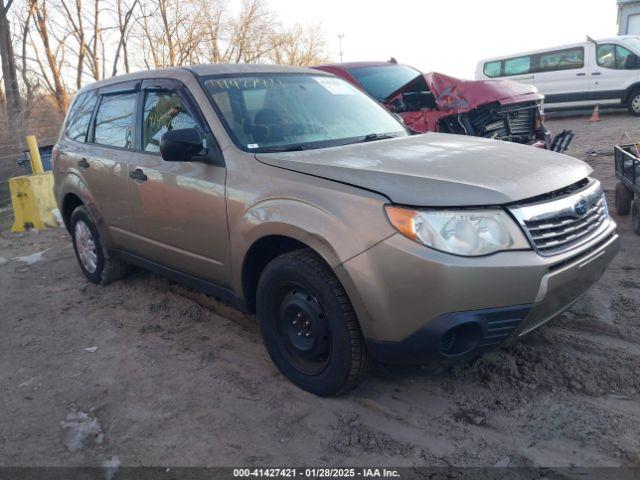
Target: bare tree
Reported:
point(77, 29)
point(29, 85)
point(252, 33)
point(214, 30)
point(124, 16)
point(171, 35)
point(50, 69)
point(63, 43)
point(9, 71)
point(300, 45)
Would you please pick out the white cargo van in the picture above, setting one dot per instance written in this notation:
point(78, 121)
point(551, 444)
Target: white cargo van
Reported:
point(604, 72)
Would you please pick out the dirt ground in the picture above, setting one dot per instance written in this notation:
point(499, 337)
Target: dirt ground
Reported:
point(145, 372)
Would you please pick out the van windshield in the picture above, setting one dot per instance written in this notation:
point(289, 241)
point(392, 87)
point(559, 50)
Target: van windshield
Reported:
point(634, 43)
point(276, 112)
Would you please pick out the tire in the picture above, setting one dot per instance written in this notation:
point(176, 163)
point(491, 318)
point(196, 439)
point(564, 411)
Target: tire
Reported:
point(94, 261)
point(309, 326)
point(633, 103)
point(635, 216)
point(623, 199)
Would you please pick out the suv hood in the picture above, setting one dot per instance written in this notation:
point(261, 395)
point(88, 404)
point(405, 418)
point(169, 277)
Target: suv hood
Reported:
point(455, 95)
point(437, 169)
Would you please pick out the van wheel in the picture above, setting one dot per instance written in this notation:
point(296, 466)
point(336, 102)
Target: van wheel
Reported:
point(96, 265)
point(309, 326)
point(623, 199)
point(633, 104)
point(635, 216)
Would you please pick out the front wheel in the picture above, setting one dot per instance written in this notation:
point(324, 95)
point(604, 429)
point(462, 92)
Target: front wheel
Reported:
point(633, 103)
point(309, 326)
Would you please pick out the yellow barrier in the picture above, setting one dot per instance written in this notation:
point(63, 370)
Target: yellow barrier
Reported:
point(34, 154)
point(33, 202)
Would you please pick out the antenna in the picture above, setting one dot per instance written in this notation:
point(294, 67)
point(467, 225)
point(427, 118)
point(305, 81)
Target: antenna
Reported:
point(340, 37)
point(589, 39)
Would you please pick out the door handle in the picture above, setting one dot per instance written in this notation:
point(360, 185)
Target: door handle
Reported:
point(596, 73)
point(139, 175)
point(83, 163)
point(580, 74)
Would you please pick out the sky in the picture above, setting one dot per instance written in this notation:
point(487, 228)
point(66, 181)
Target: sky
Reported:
point(449, 36)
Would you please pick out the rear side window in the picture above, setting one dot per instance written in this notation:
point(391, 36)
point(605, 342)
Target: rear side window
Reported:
point(517, 66)
point(80, 116)
point(163, 111)
point(609, 55)
point(492, 69)
point(115, 120)
point(567, 59)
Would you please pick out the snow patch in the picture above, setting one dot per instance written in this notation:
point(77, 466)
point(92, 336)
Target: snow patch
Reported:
point(111, 467)
point(33, 258)
point(56, 213)
point(82, 430)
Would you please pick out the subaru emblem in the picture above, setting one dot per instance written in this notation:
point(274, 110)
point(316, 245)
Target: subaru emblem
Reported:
point(581, 207)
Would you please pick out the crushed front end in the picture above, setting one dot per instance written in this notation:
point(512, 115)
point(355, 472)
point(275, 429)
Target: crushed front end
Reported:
point(497, 109)
point(518, 122)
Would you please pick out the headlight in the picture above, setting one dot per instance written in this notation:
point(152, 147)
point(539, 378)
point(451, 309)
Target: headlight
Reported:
point(461, 232)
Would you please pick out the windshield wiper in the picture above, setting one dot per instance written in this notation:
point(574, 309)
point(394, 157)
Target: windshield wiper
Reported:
point(285, 148)
point(372, 137)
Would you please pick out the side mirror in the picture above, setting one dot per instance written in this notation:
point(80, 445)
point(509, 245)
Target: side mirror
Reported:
point(181, 145)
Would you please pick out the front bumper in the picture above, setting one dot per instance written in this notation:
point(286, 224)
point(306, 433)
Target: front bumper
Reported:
point(410, 298)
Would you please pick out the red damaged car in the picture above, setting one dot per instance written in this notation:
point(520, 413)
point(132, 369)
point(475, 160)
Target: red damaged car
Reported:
point(433, 102)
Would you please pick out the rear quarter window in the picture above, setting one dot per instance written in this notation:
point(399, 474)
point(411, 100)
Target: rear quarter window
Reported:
point(79, 116)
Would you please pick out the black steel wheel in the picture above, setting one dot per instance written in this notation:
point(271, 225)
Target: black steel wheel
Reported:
point(309, 326)
point(303, 329)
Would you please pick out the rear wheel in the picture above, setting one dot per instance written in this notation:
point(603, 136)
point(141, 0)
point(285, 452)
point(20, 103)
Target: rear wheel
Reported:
point(633, 103)
point(635, 216)
point(309, 326)
point(623, 199)
point(94, 261)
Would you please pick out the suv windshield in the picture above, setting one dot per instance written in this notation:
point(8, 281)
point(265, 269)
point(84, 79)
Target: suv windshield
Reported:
point(272, 112)
point(380, 82)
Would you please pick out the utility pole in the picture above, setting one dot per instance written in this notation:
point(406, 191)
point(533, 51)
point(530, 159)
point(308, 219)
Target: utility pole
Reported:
point(340, 37)
point(11, 88)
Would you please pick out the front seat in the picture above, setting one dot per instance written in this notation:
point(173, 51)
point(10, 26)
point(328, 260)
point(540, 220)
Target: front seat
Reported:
point(268, 126)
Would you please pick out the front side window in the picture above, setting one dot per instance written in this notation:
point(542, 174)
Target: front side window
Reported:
point(80, 116)
point(492, 69)
point(163, 111)
point(567, 59)
point(115, 120)
point(517, 66)
point(284, 111)
point(380, 82)
point(617, 57)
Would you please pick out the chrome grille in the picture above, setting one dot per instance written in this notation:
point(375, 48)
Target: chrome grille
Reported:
point(565, 223)
point(505, 123)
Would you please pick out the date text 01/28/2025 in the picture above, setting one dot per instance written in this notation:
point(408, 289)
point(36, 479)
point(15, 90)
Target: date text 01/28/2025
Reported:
point(316, 473)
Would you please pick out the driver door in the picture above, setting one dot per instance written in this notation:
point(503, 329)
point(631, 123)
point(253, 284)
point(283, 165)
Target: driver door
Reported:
point(179, 207)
